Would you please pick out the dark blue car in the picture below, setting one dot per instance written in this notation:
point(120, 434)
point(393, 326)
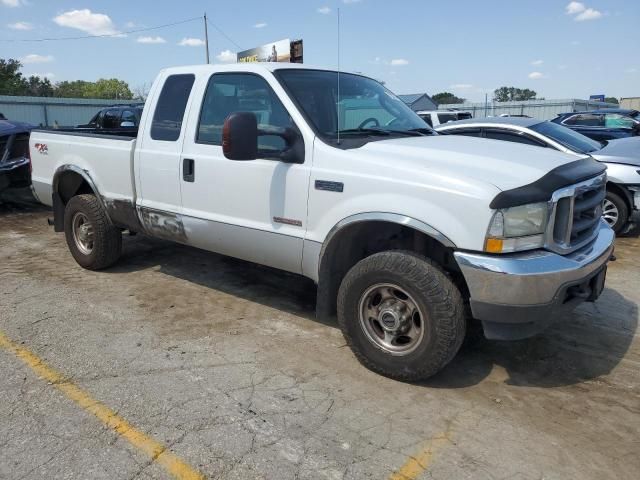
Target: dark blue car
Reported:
point(603, 125)
point(15, 167)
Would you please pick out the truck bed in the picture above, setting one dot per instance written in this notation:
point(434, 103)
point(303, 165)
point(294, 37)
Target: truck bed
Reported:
point(106, 159)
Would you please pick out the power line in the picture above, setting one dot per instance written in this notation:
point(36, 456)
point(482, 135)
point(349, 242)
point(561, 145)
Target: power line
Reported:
point(102, 36)
point(224, 34)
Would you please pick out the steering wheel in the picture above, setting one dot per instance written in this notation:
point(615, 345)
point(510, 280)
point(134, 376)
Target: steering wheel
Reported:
point(368, 120)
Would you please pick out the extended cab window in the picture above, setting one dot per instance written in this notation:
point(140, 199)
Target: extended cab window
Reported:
point(513, 137)
point(167, 119)
point(241, 92)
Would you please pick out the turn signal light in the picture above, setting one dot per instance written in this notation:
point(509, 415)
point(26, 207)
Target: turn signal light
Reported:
point(494, 245)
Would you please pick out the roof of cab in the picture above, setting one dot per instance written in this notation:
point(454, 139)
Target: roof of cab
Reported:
point(254, 67)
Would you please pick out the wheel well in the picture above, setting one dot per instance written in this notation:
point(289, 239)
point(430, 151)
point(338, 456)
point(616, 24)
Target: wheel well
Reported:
point(71, 184)
point(360, 240)
point(618, 190)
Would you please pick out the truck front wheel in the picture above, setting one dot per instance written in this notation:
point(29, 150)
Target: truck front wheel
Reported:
point(94, 243)
point(401, 315)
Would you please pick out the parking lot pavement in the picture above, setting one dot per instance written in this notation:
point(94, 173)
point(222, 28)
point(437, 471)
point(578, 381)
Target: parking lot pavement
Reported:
point(223, 364)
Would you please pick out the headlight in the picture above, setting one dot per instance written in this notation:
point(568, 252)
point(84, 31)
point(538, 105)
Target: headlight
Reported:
point(517, 228)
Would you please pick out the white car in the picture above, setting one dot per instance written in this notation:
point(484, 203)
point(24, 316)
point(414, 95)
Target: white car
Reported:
point(622, 156)
point(440, 117)
point(403, 230)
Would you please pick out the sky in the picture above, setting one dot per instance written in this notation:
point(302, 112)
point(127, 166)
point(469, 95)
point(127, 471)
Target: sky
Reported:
point(558, 48)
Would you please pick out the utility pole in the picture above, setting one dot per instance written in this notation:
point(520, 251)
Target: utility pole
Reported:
point(206, 36)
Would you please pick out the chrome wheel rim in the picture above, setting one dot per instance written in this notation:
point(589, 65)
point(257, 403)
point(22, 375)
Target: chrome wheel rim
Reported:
point(82, 233)
point(391, 319)
point(610, 212)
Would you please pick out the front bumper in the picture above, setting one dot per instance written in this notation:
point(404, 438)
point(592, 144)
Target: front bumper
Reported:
point(518, 295)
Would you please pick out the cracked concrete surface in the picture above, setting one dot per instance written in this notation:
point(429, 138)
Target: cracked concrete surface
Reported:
point(224, 362)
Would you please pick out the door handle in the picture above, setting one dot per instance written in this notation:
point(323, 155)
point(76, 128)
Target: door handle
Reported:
point(188, 170)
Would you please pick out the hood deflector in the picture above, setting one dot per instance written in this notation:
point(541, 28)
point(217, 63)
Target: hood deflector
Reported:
point(542, 189)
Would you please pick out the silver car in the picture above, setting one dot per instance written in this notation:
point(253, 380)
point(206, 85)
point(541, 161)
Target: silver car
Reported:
point(621, 156)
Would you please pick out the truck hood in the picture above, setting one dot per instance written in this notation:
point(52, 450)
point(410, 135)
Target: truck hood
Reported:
point(624, 150)
point(505, 165)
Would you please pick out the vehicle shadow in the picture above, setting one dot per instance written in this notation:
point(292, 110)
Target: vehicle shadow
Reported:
point(582, 345)
point(19, 200)
point(290, 293)
point(585, 344)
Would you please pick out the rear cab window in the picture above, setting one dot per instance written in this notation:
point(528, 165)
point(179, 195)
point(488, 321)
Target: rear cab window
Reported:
point(170, 108)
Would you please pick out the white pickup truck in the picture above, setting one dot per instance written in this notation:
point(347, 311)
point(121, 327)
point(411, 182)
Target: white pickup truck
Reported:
point(408, 234)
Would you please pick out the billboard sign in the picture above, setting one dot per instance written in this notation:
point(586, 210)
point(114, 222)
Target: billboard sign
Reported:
point(597, 98)
point(280, 51)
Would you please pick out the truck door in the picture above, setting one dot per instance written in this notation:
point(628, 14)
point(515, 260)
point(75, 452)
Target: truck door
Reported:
point(158, 151)
point(255, 210)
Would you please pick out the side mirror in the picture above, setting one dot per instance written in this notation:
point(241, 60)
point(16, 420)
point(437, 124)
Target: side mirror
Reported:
point(127, 124)
point(240, 136)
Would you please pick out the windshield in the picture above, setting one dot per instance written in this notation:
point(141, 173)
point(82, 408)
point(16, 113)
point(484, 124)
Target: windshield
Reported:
point(363, 108)
point(569, 138)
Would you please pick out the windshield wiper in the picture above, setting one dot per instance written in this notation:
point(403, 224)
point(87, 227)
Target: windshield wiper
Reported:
point(375, 131)
point(414, 132)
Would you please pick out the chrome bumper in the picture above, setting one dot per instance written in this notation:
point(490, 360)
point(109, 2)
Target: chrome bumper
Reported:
point(516, 295)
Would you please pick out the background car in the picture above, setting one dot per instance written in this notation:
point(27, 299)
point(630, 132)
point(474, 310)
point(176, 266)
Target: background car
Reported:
point(118, 119)
point(439, 117)
point(15, 169)
point(621, 156)
point(608, 124)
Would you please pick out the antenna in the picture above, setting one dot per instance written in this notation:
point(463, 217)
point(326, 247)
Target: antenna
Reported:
point(338, 93)
point(206, 36)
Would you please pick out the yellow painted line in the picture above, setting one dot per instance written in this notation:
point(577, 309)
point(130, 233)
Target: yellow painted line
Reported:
point(156, 451)
point(419, 463)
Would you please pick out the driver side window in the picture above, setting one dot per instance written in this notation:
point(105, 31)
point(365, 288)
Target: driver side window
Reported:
point(228, 93)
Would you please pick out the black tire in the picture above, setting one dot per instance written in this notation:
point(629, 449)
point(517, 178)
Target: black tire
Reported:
point(107, 239)
point(436, 296)
point(623, 211)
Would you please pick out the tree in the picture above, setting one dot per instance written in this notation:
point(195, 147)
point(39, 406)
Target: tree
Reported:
point(512, 94)
point(611, 100)
point(112, 89)
point(11, 80)
point(38, 87)
point(445, 98)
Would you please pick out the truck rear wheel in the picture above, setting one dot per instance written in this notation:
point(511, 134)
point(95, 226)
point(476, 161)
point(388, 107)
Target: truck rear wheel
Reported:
point(401, 315)
point(94, 243)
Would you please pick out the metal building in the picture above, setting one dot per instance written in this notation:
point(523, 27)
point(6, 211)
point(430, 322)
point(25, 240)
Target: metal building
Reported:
point(542, 109)
point(419, 101)
point(632, 103)
point(49, 112)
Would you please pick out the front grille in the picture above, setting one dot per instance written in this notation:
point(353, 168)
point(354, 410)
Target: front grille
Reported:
point(575, 215)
